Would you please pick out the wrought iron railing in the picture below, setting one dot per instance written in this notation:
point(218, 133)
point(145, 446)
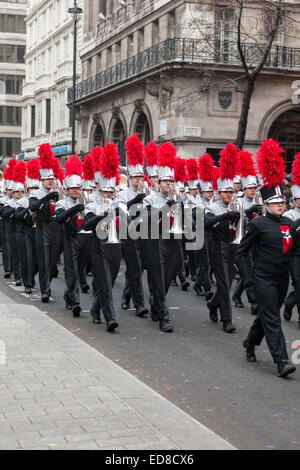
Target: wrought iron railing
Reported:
point(190, 51)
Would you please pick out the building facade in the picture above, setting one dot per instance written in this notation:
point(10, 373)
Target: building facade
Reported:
point(49, 74)
point(170, 70)
point(12, 74)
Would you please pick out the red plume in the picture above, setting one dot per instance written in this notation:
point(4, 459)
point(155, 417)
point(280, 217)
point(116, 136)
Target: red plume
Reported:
point(12, 163)
point(246, 164)
point(296, 170)
point(110, 162)
point(73, 166)
point(192, 169)
point(229, 166)
point(206, 168)
point(19, 174)
point(88, 167)
point(46, 155)
point(270, 163)
point(134, 151)
point(216, 173)
point(96, 154)
point(180, 170)
point(33, 167)
point(166, 155)
point(151, 153)
point(56, 167)
point(9, 170)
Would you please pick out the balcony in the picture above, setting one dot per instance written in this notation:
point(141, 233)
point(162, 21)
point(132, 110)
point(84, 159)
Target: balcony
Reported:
point(189, 51)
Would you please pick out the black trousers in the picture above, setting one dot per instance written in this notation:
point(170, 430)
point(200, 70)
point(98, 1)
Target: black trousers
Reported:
point(106, 259)
point(85, 240)
point(76, 253)
point(13, 247)
point(47, 249)
point(163, 263)
point(22, 254)
point(6, 257)
point(203, 278)
point(32, 262)
point(270, 291)
point(223, 266)
point(246, 283)
point(294, 297)
point(135, 261)
point(181, 263)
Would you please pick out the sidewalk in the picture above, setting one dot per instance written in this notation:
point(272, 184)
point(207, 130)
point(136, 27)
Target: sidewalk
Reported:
point(57, 392)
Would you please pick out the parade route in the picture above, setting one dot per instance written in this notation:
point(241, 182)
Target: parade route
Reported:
point(57, 392)
point(199, 369)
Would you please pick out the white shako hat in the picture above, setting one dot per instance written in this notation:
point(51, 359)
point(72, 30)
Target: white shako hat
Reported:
point(166, 161)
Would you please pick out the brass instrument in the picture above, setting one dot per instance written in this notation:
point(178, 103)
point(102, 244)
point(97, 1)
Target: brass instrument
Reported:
point(236, 205)
point(176, 228)
point(110, 225)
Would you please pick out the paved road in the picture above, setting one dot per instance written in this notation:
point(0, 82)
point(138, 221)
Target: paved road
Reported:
point(199, 368)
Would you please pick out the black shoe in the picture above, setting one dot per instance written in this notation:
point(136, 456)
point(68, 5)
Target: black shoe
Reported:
point(27, 290)
point(112, 325)
point(228, 327)
point(193, 278)
point(89, 274)
point(125, 306)
point(254, 309)
point(288, 312)
point(85, 288)
point(7, 275)
point(208, 295)
point(250, 354)
point(76, 310)
point(213, 313)
point(18, 282)
point(285, 368)
point(165, 326)
point(174, 283)
point(45, 298)
point(96, 317)
point(237, 301)
point(185, 285)
point(141, 311)
point(198, 290)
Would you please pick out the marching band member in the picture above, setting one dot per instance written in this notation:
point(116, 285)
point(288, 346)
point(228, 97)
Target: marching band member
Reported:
point(222, 222)
point(42, 203)
point(134, 251)
point(294, 214)
point(163, 252)
point(68, 214)
point(6, 253)
point(150, 152)
point(271, 239)
point(8, 214)
point(251, 209)
point(106, 257)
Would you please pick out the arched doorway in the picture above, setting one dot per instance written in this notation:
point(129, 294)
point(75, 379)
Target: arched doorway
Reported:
point(142, 129)
point(286, 131)
point(118, 138)
point(98, 136)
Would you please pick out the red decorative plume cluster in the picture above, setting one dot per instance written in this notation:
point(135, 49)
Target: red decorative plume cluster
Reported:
point(46, 155)
point(229, 165)
point(166, 155)
point(56, 168)
point(206, 168)
point(216, 173)
point(151, 151)
point(270, 163)
point(180, 170)
point(88, 167)
point(73, 166)
point(296, 170)
point(246, 164)
point(110, 162)
point(19, 174)
point(9, 170)
point(192, 169)
point(134, 151)
point(96, 155)
point(33, 167)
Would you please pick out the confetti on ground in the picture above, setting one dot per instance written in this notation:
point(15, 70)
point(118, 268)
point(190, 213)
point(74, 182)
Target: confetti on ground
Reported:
point(117, 360)
point(263, 360)
point(173, 308)
point(91, 387)
point(51, 445)
point(136, 371)
point(77, 329)
point(270, 447)
point(168, 389)
point(280, 414)
point(172, 353)
point(133, 339)
point(191, 353)
point(183, 398)
point(210, 409)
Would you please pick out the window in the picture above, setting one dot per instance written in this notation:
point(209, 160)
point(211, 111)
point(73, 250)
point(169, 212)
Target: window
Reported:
point(12, 54)
point(12, 24)
point(9, 146)
point(10, 115)
point(32, 121)
point(1, 114)
point(20, 54)
point(48, 116)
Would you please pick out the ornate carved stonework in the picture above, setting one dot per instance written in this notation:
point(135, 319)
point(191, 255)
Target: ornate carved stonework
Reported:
point(139, 106)
point(152, 87)
point(116, 113)
point(166, 83)
point(96, 117)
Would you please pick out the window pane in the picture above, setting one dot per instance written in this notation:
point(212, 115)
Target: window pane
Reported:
point(1, 53)
point(1, 146)
point(20, 54)
point(10, 114)
point(10, 54)
point(10, 85)
point(8, 147)
point(20, 24)
point(32, 121)
point(18, 115)
point(19, 86)
point(11, 23)
point(1, 114)
point(48, 116)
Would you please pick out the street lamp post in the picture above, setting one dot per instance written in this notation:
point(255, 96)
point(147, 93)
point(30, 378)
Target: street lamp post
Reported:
point(75, 11)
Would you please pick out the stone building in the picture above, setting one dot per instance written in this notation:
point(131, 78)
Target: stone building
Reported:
point(170, 70)
point(12, 73)
point(49, 74)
